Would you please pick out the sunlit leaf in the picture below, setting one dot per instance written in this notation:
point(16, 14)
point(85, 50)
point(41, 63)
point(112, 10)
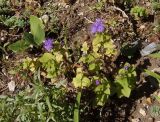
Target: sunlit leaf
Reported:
point(46, 57)
point(84, 47)
point(81, 81)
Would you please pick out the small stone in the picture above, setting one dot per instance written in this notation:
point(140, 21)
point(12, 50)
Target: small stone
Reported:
point(2, 38)
point(136, 120)
point(7, 57)
point(142, 27)
point(141, 111)
point(11, 86)
point(45, 18)
point(148, 100)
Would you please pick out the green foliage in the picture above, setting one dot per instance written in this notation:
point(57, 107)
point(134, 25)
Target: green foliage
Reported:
point(125, 81)
point(99, 5)
point(35, 38)
point(156, 5)
point(19, 46)
point(28, 63)
point(102, 92)
point(14, 22)
point(51, 63)
point(104, 41)
point(36, 104)
point(81, 80)
point(138, 12)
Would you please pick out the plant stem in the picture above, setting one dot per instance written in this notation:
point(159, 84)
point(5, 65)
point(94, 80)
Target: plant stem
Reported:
point(76, 107)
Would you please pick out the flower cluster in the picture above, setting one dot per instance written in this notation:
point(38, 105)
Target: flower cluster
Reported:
point(98, 26)
point(48, 44)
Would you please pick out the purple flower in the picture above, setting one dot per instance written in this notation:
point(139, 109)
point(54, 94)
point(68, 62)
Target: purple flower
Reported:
point(126, 67)
point(48, 44)
point(97, 82)
point(97, 26)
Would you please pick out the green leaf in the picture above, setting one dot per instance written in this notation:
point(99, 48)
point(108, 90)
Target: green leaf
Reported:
point(98, 39)
point(155, 75)
point(46, 57)
point(92, 66)
point(126, 89)
point(37, 29)
point(84, 47)
point(125, 81)
point(110, 48)
point(90, 58)
point(81, 81)
point(102, 93)
point(29, 38)
point(86, 82)
point(19, 46)
point(155, 55)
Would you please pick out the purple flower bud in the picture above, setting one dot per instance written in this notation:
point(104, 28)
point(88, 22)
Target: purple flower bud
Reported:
point(48, 44)
point(97, 82)
point(97, 26)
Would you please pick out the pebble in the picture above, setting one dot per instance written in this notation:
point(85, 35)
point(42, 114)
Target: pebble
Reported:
point(45, 18)
point(141, 111)
point(149, 101)
point(136, 120)
point(11, 86)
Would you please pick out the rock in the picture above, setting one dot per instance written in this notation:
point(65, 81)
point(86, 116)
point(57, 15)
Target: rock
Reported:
point(136, 120)
point(149, 49)
point(141, 111)
point(149, 101)
point(11, 86)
